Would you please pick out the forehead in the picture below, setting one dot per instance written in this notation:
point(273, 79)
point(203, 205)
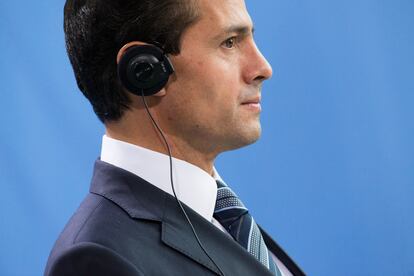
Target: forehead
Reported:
point(217, 15)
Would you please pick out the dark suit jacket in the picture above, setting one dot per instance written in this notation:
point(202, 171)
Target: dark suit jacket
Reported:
point(126, 226)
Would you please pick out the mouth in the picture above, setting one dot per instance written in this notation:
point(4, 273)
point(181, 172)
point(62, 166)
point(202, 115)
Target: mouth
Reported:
point(253, 103)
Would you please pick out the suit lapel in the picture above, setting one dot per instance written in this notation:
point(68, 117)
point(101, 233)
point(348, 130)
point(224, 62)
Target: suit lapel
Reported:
point(226, 253)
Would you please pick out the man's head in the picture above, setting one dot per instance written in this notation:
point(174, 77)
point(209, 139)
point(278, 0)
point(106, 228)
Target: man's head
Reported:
point(212, 101)
point(96, 30)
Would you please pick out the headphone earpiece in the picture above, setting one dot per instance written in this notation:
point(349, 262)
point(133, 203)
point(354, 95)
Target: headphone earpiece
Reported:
point(144, 69)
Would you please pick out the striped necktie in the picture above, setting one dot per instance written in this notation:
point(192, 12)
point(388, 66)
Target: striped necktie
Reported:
point(235, 218)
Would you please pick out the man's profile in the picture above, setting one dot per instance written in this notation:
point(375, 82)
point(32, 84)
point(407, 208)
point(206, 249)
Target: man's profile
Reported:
point(176, 83)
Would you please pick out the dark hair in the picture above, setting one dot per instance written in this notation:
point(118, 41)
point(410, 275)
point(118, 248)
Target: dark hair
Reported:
point(96, 30)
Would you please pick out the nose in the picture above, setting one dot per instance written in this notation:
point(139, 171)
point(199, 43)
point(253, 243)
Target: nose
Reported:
point(258, 68)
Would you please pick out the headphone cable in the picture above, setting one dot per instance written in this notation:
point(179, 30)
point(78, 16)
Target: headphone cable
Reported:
point(172, 181)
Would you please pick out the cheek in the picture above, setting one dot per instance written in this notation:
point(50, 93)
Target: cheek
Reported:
point(200, 81)
point(206, 87)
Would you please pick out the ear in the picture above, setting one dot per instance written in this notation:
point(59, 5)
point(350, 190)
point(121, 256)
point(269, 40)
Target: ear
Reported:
point(122, 51)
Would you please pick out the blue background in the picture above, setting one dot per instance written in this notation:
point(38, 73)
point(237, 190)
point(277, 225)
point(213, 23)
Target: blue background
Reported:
point(331, 179)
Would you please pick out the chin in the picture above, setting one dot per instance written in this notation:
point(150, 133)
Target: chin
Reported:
point(253, 137)
point(253, 132)
point(246, 137)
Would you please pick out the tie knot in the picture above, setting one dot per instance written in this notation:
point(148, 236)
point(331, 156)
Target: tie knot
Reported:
point(228, 205)
point(227, 199)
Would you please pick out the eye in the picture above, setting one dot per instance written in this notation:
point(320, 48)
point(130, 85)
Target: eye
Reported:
point(230, 43)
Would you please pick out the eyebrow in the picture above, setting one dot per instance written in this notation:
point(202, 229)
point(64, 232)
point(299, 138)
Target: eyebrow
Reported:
point(242, 30)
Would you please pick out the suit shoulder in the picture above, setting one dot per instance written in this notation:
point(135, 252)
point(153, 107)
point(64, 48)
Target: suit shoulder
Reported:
point(78, 224)
point(100, 221)
point(94, 215)
point(79, 219)
point(91, 259)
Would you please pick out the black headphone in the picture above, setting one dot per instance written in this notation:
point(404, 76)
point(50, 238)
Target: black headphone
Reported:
point(144, 69)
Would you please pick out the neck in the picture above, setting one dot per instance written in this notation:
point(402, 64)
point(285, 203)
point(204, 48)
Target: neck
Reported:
point(135, 127)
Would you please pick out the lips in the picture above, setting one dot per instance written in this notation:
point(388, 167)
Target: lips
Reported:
point(255, 100)
point(253, 104)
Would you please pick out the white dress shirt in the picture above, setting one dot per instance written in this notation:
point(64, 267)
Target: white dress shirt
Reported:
point(193, 186)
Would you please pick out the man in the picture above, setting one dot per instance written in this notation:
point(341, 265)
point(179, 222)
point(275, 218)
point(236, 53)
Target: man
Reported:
point(131, 223)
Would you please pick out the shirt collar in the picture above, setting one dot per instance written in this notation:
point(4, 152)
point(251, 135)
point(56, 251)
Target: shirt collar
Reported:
point(193, 186)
